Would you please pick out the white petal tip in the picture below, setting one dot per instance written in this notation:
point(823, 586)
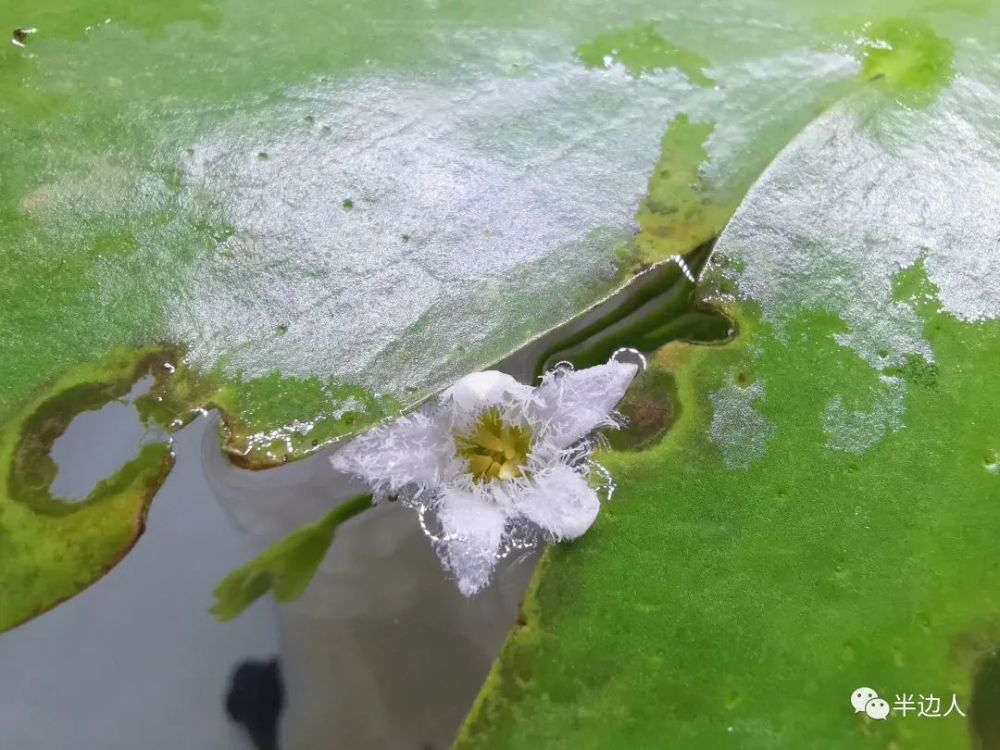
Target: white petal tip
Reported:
point(480, 388)
point(576, 519)
point(470, 588)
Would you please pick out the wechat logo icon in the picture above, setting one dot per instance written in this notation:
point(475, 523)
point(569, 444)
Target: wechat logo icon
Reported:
point(865, 700)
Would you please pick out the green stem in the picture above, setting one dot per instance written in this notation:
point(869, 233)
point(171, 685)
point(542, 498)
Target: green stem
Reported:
point(350, 508)
point(286, 567)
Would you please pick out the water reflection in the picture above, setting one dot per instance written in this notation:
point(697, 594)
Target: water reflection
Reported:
point(381, 652)
point(136, 660)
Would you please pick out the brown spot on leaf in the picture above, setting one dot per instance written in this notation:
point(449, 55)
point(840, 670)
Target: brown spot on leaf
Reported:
point(650, 406)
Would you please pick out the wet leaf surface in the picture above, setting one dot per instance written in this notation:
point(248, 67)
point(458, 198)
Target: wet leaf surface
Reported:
point(329, 213)
point(822, 513)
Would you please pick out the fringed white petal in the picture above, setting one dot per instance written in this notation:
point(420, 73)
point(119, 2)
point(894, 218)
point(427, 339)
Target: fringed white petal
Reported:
point(480, 390)
point(560, 501)
point(416, 449)
point(472, 535)
point(570, 405)
point(415, 457)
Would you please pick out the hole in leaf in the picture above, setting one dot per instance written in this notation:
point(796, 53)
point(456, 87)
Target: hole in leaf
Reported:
point(96, 444)
point(33, 468)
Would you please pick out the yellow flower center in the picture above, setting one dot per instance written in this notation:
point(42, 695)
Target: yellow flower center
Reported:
point(494, 449)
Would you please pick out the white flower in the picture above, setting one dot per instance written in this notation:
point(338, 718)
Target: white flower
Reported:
point(498, 462)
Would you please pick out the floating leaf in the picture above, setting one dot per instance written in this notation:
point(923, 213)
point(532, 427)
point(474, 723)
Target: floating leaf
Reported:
point(323, 239)
point(823, 512)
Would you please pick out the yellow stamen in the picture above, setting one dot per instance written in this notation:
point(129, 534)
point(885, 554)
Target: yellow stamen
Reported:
point(494, 449)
